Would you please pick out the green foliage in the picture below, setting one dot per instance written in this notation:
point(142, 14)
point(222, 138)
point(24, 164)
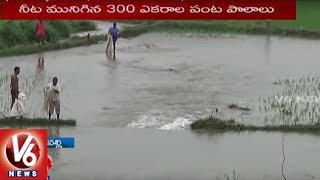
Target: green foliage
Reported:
point(11, 33)
point(212, 123)
point(82, 26)
point(61, 27)
point(307, 19)
point(40, 122)
point(36, 48)
point(14, 33)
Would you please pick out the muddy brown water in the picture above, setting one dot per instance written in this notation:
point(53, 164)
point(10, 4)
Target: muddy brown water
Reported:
point(133, 113)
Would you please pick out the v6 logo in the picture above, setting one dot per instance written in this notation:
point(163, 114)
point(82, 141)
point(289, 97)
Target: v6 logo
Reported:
point(22, 151)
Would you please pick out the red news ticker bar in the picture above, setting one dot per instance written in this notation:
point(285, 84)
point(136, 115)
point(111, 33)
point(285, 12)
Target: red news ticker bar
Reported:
point(148, 9)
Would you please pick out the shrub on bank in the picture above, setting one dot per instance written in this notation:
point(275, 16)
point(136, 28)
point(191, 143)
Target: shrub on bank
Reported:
point(78, 26)
point(13, 33)
point(63, 28)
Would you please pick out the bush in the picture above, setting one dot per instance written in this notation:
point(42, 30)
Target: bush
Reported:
point(78, 26)
point(2, 45)
point(29, 29)
point(13, 33)
point(51, 34)
point(61, 27)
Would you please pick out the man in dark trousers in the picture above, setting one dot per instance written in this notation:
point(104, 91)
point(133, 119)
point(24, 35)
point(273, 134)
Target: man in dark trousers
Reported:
point(14, 85)
point(115, 33)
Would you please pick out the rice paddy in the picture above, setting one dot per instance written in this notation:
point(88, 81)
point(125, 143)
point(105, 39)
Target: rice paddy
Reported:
point(213, 123)
point(296, 104)
point(32, 85)
point(294, 108)
point(28, 83)
point(226, 176)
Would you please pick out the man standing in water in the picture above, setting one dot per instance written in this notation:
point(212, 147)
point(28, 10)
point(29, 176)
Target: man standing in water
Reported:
point(41, 31)
point(54, 97)
point(14, 85)
point(115, 33)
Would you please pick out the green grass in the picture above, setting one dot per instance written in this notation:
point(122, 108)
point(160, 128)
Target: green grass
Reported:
point(308, 14)
point(5, 122)
point(67, 43)
point(36, 48)
point(307, 25)
point(212, 123)
point(17, 33)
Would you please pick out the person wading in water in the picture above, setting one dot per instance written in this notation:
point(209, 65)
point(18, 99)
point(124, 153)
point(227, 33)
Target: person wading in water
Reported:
point(14, 85)
point(115, 33)
point(41, 29)
point(54, 89)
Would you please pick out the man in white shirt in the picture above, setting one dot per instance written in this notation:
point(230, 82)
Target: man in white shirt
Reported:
point(54, 89)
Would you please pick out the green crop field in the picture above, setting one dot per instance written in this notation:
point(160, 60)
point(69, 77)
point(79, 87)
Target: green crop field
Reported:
point(308, 15)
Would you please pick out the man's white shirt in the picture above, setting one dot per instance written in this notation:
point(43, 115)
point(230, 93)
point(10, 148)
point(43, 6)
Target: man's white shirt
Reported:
point(56, 87)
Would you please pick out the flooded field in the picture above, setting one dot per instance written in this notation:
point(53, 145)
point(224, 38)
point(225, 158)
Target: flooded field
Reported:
point(164, 82)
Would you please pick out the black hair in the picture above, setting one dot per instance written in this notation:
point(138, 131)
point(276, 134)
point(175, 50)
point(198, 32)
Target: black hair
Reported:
point(114, 23)
point(55, 78)
point(16, 68)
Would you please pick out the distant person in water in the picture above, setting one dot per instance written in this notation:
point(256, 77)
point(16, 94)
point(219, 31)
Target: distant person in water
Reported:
point(53, 90)
point(115, 33)
point(41, 29)
point(14, 85)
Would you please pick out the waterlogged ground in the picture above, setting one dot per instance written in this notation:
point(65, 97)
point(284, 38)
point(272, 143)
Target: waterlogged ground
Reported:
point(164, 82)
point(135, 154)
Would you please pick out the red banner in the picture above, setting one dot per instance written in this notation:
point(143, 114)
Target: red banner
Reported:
point(149, 9)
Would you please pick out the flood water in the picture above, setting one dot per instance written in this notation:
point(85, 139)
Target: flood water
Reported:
point(134, 112)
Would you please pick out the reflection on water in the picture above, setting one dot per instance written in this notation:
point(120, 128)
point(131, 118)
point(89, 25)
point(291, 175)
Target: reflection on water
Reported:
point(267, 49)
point(40, 64)
point(111, 56)
point(113, 74)
point(54, 131)
point(146, 154)
point(40, 74)
point(40, 67)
